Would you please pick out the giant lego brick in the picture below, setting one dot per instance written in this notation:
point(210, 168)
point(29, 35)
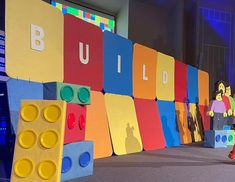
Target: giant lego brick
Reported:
point(144, 72)
point(117, 64)
point(75, 123)
point(34, 44)
point(182, 120)
point(169, 123)
point(203, 88)
point(195, 122)
point(192, 84)
point(165, 77)
point(39, 142)
point(70, 93)
point(83, 53)
point(180, 81)
point(97, 126)
point(205, 118)
point(5, 125)
point(21, 90)
point(123, 124)
point(77, 160)
point(149, 124)
point(230, 137)
point(215, 139)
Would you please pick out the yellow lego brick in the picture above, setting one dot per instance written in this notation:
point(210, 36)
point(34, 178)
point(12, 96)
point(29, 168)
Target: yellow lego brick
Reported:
point(35, 41)
point(165, 79)
point(123, 124)
point(39, 142)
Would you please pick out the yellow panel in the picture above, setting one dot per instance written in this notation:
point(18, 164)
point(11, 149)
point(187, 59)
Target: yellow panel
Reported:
point(165, 77)
point(123, 124)
point(97, 127)
point(39, 142)
point(182, 120)
point(195, 123)
point(22, 61)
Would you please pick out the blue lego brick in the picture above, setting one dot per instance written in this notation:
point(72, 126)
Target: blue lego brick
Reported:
point(192, 84)
point(77, 160)
point(215, 139)
point(21, 90)
point(169, 123)
point(117, 79)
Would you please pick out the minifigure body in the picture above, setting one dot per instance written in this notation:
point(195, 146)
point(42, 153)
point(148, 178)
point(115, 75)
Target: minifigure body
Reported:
point(218, 112)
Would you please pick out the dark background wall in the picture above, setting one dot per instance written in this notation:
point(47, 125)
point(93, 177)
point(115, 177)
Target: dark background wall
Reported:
point(158, 25)
point(2, 14)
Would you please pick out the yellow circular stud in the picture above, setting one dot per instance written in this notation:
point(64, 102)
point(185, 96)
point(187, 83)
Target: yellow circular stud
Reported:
point(23, 168)
point(52, 113)
point(27, 139)
point(29, 113)
point(46, 169)
point(49, 139)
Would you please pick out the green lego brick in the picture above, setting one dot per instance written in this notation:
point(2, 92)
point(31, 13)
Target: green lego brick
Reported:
point(230, 137)
point(70, 93)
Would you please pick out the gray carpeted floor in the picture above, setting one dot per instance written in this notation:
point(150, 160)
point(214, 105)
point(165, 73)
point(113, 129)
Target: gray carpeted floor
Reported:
point(191, 163)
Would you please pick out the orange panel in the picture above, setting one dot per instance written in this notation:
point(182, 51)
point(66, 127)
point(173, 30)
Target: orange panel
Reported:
point(203, 88)
point(182, 120)
point(97, 128)
point(144, 72)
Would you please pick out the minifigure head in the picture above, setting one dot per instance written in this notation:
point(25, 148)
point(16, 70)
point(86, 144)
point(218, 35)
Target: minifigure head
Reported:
point(220, 85)
point(227, 90)
point(218, 95)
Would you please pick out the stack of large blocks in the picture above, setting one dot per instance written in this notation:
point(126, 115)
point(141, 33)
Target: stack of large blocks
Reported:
point(50, 134)
point(142, 98)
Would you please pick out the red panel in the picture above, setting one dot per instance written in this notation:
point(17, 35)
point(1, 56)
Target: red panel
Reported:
point(205, 119)
point(76, 72)
point(75, 123)
point(149, 124)
point(180, 81)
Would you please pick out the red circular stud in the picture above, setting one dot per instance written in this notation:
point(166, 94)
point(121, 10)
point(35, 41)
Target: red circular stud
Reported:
point(82, 122)
point(71, 121)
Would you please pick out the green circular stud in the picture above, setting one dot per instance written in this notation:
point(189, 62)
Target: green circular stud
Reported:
point(83, 95)
point(66, 93)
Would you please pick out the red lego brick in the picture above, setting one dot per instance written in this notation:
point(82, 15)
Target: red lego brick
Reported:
point(75, 123)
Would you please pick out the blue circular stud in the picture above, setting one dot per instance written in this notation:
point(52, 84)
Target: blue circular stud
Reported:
point(66, 164)
point(217, 138)
point(84, 159)
point(224, 138)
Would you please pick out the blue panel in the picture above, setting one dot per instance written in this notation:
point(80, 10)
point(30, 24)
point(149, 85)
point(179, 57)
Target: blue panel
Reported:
point(77, 160)
point(117, 81)
point(21, 90)
point(192, 85)
point(169, 123)
point(215, 139)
